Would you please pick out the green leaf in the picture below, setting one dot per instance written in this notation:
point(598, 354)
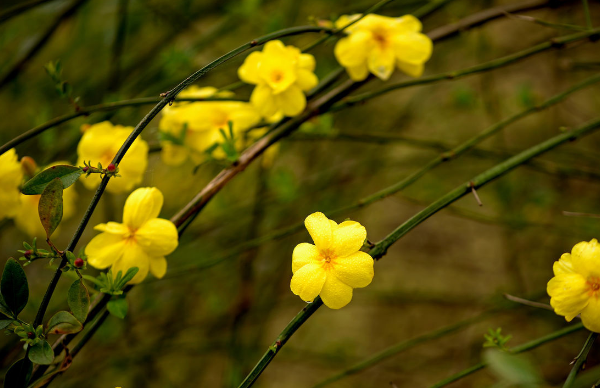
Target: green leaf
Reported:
point(41, 353)
point(67, 175)
point(50, 207)
point(4, 308)
point(15, 290)
point(118, 307)
point(4, 323)
point(512, 368)
point(131, 272)
point(63, 323)
point(14, 378)
point(79, 300)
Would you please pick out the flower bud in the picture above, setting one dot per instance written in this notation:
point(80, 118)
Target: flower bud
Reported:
point(28, 253)
point(85, 169)
point(78, 262)
point(29, 166)
point(111, 168)
point(30, 335)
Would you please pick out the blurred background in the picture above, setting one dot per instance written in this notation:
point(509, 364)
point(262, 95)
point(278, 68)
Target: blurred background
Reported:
point(207, 326)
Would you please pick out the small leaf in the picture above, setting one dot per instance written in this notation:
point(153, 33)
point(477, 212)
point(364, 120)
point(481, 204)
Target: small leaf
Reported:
point(15, 290)
point(14, 378)
point(4, 323)
point(131, 272)
point(4, 308)
point(63, 323)
point(118, 307)
point(50, 207)
point(41, 353)
point(79, 300)
point(67, 174)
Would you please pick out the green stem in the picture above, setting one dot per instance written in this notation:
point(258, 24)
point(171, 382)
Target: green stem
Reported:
point(380, 249)
point(580, 360)
point(453, 75)
point(588, 15)
point(517, 349)
point(20, 8)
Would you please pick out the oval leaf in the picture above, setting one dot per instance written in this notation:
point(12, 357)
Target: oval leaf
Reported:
point(4, 323)
point(15, 378)
point(67, 175)
point(118, 307)
point(63, 323)
point(50, 207)
point(15, 290)
point(79, 300)
point(41, 353)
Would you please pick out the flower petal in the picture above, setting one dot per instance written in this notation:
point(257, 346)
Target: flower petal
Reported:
point(113, 228)
point(353, 50)
point(408, 23)
point(248, 72)
point(586, 258)
point(358, 73)
point(303, 254)
point(564, 265)
point(335, 293)
point(104, 250)
point(319, 228)
point(306, 80)
point(411, 69)
point(263, 101)
point(355, 270)
point(291, 101)
point(348, 238)
point(413, 48)
point(590, 316)
point(142, 205)
point(307, 62)
point(158, 237)
point(158, 266)
point(308, 281)
point(568, 295)
point(133, 256)
point(173, 154)
point(381, 62)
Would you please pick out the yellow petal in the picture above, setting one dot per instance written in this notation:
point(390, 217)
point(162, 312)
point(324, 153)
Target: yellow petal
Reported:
point(133, 256)
point(262, 99)
point(142, 205)
point(411, 69)
point(344, 20)
point(172, 154)
point(158, 237)
point(104, 250)
point(568, 295)
point(413, 48)
point(408, 23)
point(158, 266)
point(590, 316)
point(353, 50)
point(348, 238)
point(248, 72)
point(113, 228)
point(306, 79)
point(586, 258)
point(307, 62)
point(303, 254)
point(358, 73)
point(355, 270)
point(275, 48)
point(308, 281)
point(319, 228)
point(564, 265)
point(291, 102)
point(335, 293)
point(381, 62)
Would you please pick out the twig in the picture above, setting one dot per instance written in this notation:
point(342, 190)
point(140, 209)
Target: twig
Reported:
point(579, 362)
point(577, 214)
point(526, 302)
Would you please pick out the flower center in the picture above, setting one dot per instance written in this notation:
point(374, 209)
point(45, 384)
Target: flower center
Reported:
point(380, 38)
point(328, 258)
point(277, 75)
point(593, 286)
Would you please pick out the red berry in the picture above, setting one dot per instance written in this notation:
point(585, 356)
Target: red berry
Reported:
point(30, 335)
point(85, 169)
point(78, 262)
point(28, 253)
point(111, 168)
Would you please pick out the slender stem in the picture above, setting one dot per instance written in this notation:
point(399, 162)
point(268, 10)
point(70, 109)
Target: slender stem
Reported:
point(380, 249)
point(429, 8)
point(580, 360)
point(517, 349)
point(588, 15)
point(453, 75)
point(20, 8)
point(88, 335)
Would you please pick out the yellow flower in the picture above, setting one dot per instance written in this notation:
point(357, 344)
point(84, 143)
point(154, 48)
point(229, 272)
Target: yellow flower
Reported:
point(11, 176)
point(281, 74)
point(575, 287)
point(27, 218)
point(189, 129)
point(100, 143)
point(378, 43)
point(142, 240)
point(334, 265)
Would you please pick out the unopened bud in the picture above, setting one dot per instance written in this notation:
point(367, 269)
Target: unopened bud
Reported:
point(78, 262)
point(29, 166)
point(30, 335)
point(28, 253)
point(111, 168)
point(85, 169)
